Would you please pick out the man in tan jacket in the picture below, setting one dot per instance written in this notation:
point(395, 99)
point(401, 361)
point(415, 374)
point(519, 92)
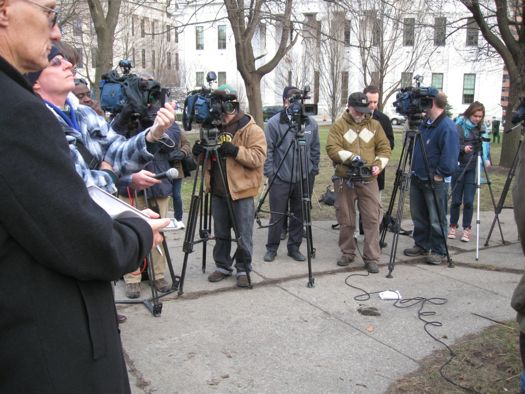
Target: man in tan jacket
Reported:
point(359, 150)
point(242, 155)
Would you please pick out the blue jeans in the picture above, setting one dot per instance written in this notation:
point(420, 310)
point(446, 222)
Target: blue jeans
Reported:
point(177, 199)
point(244, 212)
point(428, 221)
point(464, 189)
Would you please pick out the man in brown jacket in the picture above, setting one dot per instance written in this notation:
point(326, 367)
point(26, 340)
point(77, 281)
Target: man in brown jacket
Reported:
point(360, 150)
point(242, 155)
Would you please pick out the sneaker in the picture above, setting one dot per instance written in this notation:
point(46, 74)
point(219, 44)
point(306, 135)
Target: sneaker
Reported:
point(270, 255)
point(162, 285)
point(345, 260)
point(242, 281)
point(467, 232)
point(121, 318)
point(296, 255)
point(217, 276)
point(415, 251)
point(435, 259)
point(452, 232)
point(133, 290)
point(371, 267)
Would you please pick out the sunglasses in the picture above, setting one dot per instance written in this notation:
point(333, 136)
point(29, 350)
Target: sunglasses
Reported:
point(52, 15)
point(58, 60)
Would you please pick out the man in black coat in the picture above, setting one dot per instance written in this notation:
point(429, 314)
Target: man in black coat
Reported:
point(58, 249)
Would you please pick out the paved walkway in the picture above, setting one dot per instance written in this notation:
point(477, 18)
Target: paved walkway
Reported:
point(283, 337)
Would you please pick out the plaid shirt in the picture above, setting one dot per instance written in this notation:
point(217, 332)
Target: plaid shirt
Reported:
point(125, 156)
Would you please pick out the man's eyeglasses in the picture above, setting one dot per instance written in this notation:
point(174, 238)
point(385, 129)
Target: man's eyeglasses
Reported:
point(58, 60)
point(52, 15)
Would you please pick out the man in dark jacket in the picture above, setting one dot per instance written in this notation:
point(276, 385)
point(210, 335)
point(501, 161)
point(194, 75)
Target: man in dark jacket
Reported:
point(441, 146)
point(59, 251)
point(282, 168)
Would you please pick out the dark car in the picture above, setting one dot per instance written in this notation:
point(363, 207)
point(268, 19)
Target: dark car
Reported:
point(271, 110)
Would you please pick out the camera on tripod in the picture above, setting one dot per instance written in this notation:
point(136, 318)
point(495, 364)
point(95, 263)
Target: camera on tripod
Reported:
point(358, 169)
point(117, 90)
point(206, 107)
point(518, 115)
point(298, 110)
point(414, 100)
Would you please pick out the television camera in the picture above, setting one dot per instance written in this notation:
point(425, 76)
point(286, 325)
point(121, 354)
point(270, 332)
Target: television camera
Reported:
point(358, 169)
point(298, 110)
point(414, 100)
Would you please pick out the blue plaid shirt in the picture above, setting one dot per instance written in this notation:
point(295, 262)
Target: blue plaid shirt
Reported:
point(125, 156)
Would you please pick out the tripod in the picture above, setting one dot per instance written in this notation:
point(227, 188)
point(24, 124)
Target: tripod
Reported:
point(298, 148)
point(512, 171)
point(412, 140)
point(201, 210)
point(153, 304)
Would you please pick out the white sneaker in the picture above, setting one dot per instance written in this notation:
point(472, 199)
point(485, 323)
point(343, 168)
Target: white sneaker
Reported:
point(179, 225)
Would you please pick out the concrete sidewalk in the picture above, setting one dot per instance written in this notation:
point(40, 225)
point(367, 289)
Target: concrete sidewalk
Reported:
point(282, 336)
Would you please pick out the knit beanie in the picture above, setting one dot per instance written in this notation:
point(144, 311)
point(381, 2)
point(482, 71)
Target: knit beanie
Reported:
point(33, 76)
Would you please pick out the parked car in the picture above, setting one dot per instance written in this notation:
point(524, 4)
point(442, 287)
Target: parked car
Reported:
point(271, 110)
point(397, 119)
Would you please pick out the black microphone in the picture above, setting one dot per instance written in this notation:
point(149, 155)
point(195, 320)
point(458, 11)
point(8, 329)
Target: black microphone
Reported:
point(170, 174)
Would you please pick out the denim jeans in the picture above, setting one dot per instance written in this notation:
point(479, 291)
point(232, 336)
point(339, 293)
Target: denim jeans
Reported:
point(429, 221)
point(464, 189)
point(177, 199)
point(244, 213)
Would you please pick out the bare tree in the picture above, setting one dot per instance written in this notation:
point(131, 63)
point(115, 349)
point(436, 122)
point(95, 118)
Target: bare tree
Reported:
point(244, 20)
point(502, 25)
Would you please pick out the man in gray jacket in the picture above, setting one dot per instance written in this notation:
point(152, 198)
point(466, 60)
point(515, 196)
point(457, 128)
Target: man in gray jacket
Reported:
point(282, 167)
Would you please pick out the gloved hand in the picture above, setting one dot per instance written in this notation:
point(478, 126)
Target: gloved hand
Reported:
point(197, 148)
point(228, 149)
point(121, 121)
point(176, 154)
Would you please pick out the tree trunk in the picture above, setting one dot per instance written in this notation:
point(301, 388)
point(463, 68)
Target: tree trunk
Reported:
point(253, 91)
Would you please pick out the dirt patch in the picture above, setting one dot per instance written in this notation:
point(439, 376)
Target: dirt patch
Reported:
point(487, 362)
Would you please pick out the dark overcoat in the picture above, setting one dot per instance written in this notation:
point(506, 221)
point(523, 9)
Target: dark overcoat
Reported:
point(58, 253)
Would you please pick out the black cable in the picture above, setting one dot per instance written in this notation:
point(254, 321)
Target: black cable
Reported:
point(421, 314)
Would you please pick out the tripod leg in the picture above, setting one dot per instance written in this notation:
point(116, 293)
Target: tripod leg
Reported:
point(493, 205)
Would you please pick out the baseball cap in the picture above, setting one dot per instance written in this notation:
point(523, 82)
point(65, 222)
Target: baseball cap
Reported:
point(359, 102)
point(226, 90)
point(288, 91)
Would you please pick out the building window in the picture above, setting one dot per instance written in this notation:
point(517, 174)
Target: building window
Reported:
point(374, 78)
point(406, 79)
point(143, 58)
point(344, 87)
point(346, 37)
point(142, 28)
point(472, 33)
point(176, 36)
point(221, 37)
point(437, 80)
point(199, 78)
point(199, 37)
point(221, 78)
point(316, 86)
point(469, 84)
point(94, 54)
point(153, 28)
point(262, 35)
point(133, 21)
point(177, 61)
point(168, 60)
point(168, 33)
point(77, 27)
point(440, 31)
point(153, 59)
point(409, 25)
point(290, 78)
point(134, 60)
point(80, 56)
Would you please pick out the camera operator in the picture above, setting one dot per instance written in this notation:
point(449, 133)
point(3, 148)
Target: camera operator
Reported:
point(472, 130)
point(243, 160)
point(440, 136)
point(353, 140)
point(154, 193)
point(286, 187)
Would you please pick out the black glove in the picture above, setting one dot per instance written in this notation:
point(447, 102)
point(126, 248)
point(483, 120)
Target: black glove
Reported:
point(228, 149)
point(197, 148)
point(176, 154)
point(121, 121)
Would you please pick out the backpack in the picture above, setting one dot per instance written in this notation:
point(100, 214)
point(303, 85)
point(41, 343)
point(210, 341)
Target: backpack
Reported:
point(328, 197)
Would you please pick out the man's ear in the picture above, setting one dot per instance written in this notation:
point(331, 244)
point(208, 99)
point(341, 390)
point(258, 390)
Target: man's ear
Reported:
point(4, 19)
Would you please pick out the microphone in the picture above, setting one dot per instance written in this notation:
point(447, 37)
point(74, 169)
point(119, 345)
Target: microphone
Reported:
point(170, 174)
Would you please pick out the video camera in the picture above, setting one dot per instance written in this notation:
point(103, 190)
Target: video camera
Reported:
point(205, 107)
point(298, 110)
point(359, 169)
point(414, 100)
point(117, 91)
point(518, 114)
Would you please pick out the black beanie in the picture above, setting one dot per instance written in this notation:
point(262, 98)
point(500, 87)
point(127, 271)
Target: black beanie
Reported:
point(33, 77)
